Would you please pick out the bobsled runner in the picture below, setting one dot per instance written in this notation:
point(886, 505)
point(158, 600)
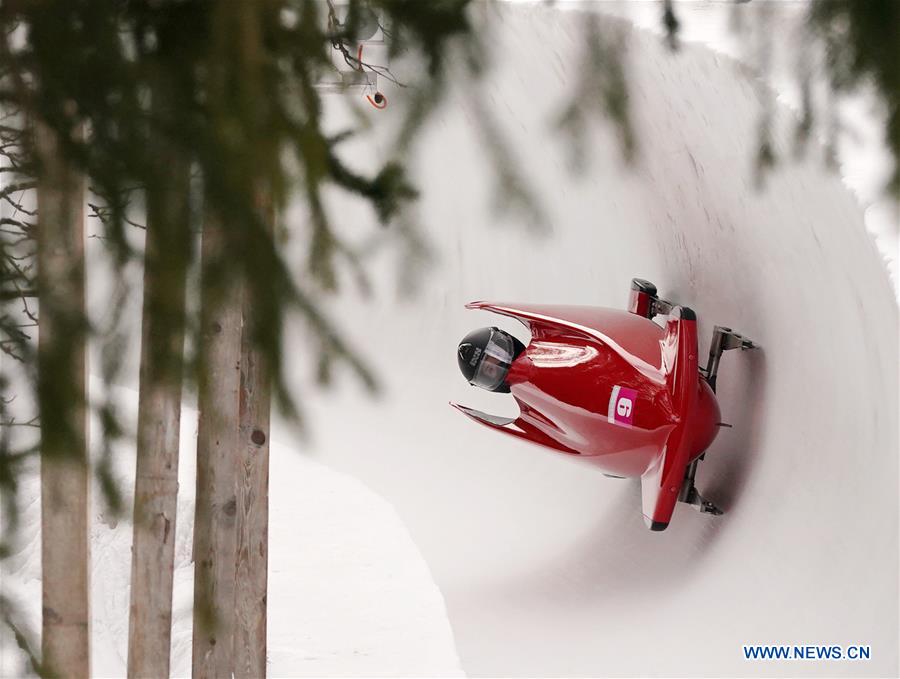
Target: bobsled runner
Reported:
point(611, 387)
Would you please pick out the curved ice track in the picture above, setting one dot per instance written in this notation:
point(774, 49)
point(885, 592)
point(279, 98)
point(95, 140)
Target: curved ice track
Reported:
point(546, 566)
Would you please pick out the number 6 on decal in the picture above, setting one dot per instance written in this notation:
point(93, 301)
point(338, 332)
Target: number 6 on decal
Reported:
point(621, 405)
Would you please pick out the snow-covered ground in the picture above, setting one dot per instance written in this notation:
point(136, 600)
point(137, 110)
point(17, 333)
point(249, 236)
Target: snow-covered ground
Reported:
point(349, 594)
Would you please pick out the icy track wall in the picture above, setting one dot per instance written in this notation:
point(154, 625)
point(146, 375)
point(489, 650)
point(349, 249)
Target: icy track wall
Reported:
point(546, 565)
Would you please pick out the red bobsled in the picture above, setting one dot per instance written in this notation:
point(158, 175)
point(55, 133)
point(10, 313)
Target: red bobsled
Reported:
point(610, 386)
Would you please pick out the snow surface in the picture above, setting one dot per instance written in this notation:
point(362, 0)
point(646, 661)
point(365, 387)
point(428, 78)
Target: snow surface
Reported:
point(546, 566)
point(349, 594)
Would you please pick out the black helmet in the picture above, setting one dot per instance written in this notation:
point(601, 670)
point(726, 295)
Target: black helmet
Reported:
point(485, 356)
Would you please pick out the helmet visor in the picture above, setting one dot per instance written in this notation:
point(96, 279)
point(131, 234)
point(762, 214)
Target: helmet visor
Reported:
point(495, 361)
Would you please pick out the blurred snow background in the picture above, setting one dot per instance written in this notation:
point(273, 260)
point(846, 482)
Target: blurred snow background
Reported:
point(772, 39)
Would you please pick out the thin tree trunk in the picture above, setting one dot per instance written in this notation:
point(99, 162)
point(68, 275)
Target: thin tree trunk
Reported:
point(215, 535)
point(63, 412)
point(252, 502)
point(166, 259)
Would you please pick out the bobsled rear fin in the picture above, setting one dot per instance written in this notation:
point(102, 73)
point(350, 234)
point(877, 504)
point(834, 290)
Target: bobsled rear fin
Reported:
point(522, 314)
point(611, 327)
point(541, 319)
point(661, 483)
point(485, 418)
point(517, 427)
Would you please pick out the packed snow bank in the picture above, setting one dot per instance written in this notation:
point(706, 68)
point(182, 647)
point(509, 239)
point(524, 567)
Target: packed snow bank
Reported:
point(546, 565)
point(349, 594)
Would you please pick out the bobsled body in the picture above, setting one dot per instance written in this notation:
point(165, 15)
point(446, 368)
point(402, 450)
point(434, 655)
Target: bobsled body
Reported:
point(616, 390)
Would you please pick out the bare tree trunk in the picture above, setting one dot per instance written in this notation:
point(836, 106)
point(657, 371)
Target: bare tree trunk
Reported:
point(166, 259)
point(215, 535)
point(252, 502)
point(63, 411)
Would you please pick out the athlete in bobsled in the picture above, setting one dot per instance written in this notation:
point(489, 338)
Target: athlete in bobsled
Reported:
point(610, 386)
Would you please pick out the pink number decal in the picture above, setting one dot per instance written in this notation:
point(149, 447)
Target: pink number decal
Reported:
point(621, 406)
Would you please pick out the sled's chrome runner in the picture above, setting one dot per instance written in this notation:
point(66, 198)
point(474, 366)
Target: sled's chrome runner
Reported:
point(723, 339)
point(690, 495)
